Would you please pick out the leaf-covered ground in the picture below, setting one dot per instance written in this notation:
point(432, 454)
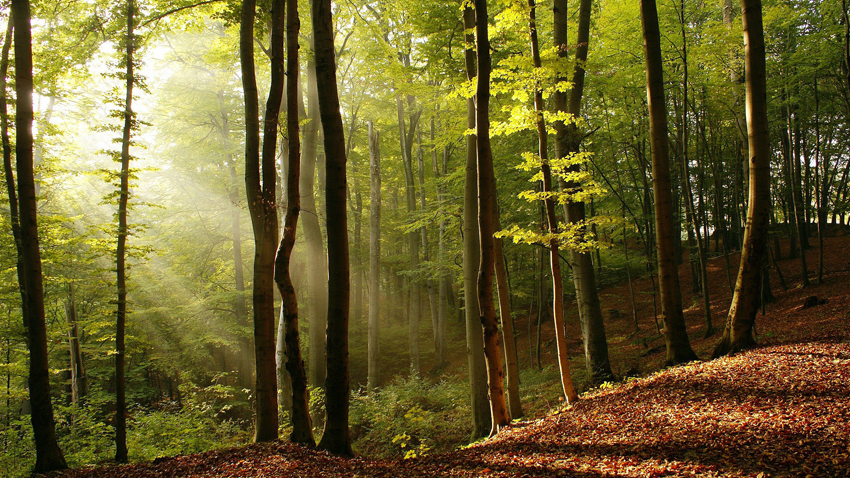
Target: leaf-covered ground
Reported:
point(779, 410)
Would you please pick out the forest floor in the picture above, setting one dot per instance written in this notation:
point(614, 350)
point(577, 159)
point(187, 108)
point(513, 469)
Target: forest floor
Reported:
point(781, 409)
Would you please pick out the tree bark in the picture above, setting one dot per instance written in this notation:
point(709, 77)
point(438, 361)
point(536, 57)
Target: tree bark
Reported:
point(302, 427)
point(79, 380)
point(124, 193)
point(335, 438)
point(676, 336)
point(263, 208)
point(486, 210)
point(567, 142)
point(552, 220)
point(686, 179)
point(738, 333)
point(317, 274)
point(48, 455)
point(373, 374)
point(481, 422)
point(412, 239)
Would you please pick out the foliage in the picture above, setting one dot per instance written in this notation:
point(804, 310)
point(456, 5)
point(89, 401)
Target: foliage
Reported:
point(409, 417)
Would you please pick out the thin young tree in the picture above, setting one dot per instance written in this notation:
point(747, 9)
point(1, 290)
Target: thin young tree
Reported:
point(335, 438)
point(486, 229)
point(262, 207)
point(552, 220)
point(302, 427)
point(675, 334)
point(568, 140)
point(738, 332)
point(373, 378)
point(48, 455)
point(120, 252)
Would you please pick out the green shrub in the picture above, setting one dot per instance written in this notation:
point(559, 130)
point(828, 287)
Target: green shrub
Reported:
point(410, 417)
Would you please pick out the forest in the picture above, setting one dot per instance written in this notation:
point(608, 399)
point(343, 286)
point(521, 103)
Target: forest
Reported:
point(425, 238)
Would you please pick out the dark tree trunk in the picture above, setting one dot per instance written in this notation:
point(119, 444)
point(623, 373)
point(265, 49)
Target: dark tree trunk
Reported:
point(262, 206)
point(568, 141)
point(302, 427)
point(481, 422)
point(48, 455)
point(552, 220)
point(335, 437)
point(121, 279)
point(686, 180)
point(738, 333)
point(486, 229)
point(676, 336)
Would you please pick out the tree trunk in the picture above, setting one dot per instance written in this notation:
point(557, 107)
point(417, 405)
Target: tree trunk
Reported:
point(737, 334)
point(262, 206)
point(481, 421)
point(124, 193)
point(486, 229)
point(373, 377)
point(48, 455)
point(79, 380)
point(676, 336)
point(317, 274)
point(552, 220)
point(412, 239)
point(567, 142)
point(246, 363)
point(302, 427)
point(335, 438)
point(436, 288)
point(688, 190)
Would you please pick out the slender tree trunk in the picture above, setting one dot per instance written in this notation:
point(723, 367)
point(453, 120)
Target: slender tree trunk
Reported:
point(373, 376)
point(738, 333)
point(821, 187)
point(79, 380)
point(486, 226)
point(317, 273)
point(245, 360)
point(481, 420)
point(676, 336)
point(262, 206)
point(412, 240)
point(689, 195)
point(436, 288)
point(567, 142)
point(124, 193)
point(335, 438)
point(552, 220)
point(48, 455)
point(302, 427)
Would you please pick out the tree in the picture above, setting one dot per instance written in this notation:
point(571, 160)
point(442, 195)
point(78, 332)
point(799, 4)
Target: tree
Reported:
point(676, 336)
point(374, 258)
point(335, 437)
point(48, 455)
point(302, 427)
point(120, 251)
point(486, 229)
point(567, 142)
point(481, 422)
point(737, 334)
point(262, 206)
point(554, 244)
